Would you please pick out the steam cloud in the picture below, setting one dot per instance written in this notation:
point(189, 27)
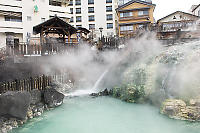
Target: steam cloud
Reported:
point(172, 70)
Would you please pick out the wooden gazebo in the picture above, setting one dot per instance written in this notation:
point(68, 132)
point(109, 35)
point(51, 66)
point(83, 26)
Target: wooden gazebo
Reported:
point(55, 26)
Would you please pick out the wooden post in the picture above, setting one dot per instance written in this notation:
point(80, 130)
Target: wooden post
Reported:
point(16, 85)
point(43, 82)
point(69, 37)
point(31, 83)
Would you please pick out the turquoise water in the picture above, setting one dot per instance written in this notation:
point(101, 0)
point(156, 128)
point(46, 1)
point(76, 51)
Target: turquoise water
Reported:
point(105, 115)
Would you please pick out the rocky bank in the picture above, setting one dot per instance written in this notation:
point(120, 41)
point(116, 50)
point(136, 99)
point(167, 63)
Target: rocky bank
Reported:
point(16, 108)
point(178, 109)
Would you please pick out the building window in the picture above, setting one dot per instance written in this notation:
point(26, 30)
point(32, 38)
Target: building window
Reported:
point(142, 13)
point(126, 28)
point(91, 26)
point(71, 19)
point(141, 26)
point(42, 19)
point(29, 18)
point(90, 2)
point(91, 18)
point(109, 25)
point(78, 2)
point(78, 19)
point(108, 8)
point(78, 26)
point(109, 17)
point(13, 18)
point(78, 10)
point(71, 10)
point(90, 9)
point(54, 3)
point(71, 3)
point(126, 14)
point(108, 1)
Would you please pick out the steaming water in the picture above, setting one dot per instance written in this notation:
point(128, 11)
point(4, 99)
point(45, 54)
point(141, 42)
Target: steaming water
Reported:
point(100, 79)
point(105, 115)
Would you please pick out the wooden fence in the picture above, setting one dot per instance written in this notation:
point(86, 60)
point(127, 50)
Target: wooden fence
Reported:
point(39, 82)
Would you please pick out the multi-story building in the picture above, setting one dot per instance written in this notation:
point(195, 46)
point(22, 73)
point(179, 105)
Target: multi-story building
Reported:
point(17, 17)
point(94, 14)
point(134, 15)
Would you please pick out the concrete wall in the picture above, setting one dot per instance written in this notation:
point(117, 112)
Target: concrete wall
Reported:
point(2, 40)
point(35, 17)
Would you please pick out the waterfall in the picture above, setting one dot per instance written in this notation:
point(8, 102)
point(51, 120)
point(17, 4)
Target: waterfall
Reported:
point(100, 79)
point(83, 92)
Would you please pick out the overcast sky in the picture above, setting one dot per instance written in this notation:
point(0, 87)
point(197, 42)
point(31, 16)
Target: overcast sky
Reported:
point(165, 7)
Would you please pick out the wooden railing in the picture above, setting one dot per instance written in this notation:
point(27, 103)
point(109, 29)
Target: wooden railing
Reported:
point(134, 17)
point(38, 49)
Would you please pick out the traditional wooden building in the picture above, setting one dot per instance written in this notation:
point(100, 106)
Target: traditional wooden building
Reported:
point(133, 16)
point(178, 25)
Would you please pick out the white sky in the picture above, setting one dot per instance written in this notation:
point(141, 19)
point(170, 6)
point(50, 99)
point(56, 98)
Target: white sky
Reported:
point(166, 7)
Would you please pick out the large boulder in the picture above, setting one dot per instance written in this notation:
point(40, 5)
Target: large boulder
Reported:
point(15, 104)
point(173, 107)
point(35, 96)
point(178, 109)
point(102, 93)
point(52, 97)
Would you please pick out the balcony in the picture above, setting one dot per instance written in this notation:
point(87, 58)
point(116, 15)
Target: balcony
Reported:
point(11, 5)
point(60, 11)
point(8, 26)
point(127, 32)
point(134, 18)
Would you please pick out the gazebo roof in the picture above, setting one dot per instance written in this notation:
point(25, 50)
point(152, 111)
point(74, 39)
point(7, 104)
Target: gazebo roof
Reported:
point(55, 25)
point(84, 30)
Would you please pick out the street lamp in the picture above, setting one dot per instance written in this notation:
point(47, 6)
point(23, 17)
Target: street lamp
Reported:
point(101, 29)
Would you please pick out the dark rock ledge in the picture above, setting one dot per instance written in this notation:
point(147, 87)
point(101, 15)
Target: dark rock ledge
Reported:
point(17, 107)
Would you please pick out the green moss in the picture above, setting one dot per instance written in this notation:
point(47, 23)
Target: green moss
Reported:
point(129, 93)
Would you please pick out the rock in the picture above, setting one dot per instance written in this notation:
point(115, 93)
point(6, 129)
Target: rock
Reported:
point(52, 97)
point(35, 96)
point(177, 109)
point(172, 107)
point(194, 102)
point(30, 113)
point(15, 104)
point(102, 93)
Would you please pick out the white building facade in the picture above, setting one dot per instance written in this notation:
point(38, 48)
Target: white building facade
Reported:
point(17, 17)
point(94, 14)
point(195, 10)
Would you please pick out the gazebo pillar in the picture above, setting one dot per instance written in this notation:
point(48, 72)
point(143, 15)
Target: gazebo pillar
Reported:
point(69, 37)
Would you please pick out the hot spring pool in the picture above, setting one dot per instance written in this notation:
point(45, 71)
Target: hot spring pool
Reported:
point(105, 115)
